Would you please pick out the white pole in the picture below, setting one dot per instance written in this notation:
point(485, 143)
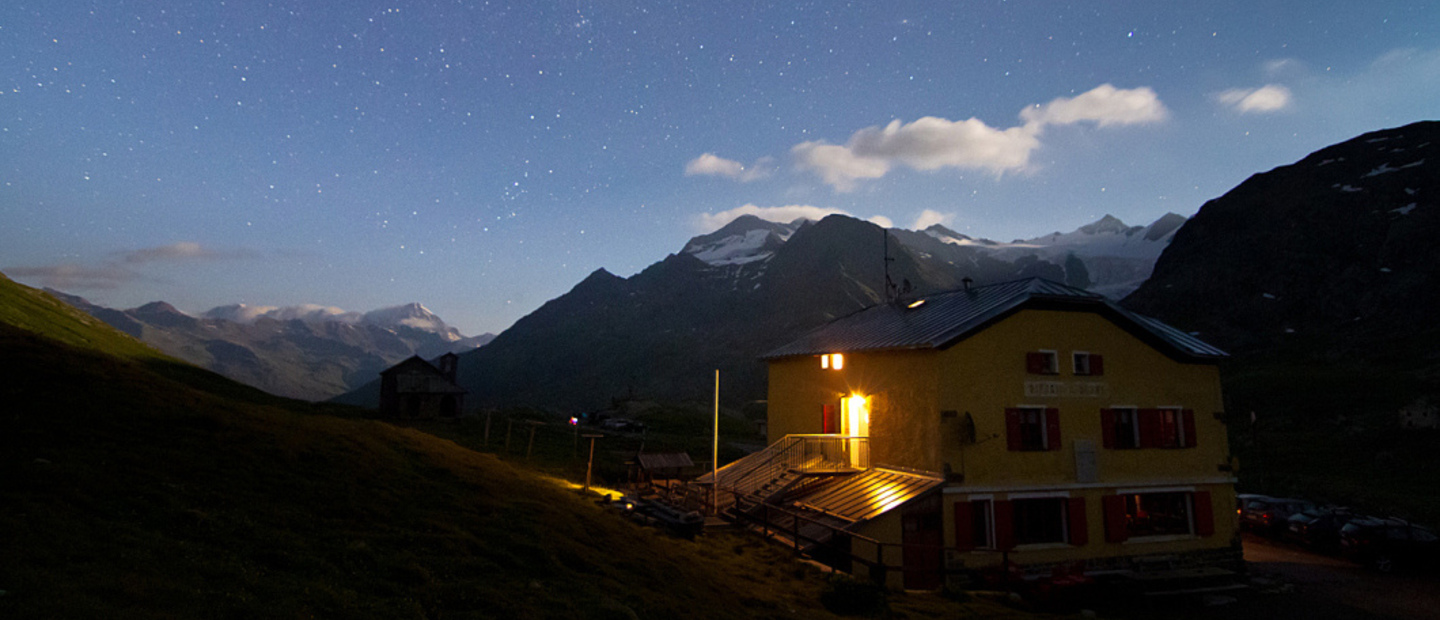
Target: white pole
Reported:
point(715, 452)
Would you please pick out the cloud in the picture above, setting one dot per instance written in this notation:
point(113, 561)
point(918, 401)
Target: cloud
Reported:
point(709, 222)
point(932, 143)
point(881, 221)
point(929, 217)
point(1267, 98)
point(117, 270)
point(838, 166)
point(1103, 105)
point(72, 277)
point(709, 164)
point(179, 251)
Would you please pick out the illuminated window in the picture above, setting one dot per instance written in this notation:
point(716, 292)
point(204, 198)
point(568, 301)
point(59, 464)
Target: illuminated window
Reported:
point(832, 361)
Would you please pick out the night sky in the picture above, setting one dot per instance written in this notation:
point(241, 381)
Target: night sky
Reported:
point(484, 157)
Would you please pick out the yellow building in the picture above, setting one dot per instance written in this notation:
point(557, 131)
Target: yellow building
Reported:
point(1026, 422)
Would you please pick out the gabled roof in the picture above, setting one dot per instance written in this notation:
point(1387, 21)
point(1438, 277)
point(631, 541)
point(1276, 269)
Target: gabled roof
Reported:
point(438, 384)
point(941, 320)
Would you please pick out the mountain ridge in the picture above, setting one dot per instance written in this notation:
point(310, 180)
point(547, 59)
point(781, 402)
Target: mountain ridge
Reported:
point(308, 352)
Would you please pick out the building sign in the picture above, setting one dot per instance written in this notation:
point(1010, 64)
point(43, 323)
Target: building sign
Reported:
point(1066, 389)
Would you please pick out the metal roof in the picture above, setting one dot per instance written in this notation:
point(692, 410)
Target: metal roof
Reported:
point(939, 321)
point(665, 460)
point(866, 495)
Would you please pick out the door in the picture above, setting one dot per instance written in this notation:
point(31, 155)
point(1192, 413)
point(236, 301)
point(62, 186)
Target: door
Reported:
point(922, 538)
point(855, 422)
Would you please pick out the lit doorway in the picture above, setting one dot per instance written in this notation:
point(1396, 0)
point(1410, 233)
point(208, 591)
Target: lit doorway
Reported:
point(855, 420)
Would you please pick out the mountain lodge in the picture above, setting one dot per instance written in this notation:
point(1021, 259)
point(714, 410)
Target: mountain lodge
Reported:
point(1028, 423)
point(415, 388)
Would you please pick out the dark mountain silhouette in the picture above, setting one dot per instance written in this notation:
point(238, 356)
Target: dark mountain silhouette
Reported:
point(1338, 249)
point(720, 303)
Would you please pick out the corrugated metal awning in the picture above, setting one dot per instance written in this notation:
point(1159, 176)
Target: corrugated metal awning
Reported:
point(866, 495)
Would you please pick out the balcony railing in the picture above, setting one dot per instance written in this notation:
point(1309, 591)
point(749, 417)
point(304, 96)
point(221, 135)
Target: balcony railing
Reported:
point(794, 453)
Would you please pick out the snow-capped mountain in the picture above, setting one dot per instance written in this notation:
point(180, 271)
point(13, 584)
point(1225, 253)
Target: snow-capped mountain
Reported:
point(747, 239)
point(407, 316)
point(1114, 258)
point(306, 351)
point(310, 313)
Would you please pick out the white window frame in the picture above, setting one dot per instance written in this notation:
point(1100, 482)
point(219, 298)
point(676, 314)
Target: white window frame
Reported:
point(1064, 518)
point(1075, 357)
point(990, 542)
point(1179, 422)
point(1189, 514)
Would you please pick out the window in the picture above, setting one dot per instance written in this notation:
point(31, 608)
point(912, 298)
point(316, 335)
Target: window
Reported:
point(1158, 513)
point(1039, 521)
point(1166, 427)
point(1087, 364)
point(832, 361)
point(1042, 363)
point(1121, 426)
point(1172, 427)
point(1048, 519)
point(1032, 428)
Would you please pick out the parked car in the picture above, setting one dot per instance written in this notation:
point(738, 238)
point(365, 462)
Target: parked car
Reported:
point(1269, 514)
point(1319, 528)
point(1387, 544)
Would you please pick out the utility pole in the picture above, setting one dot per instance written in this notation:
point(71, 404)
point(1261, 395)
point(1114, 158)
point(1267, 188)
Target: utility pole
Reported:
point(590, 465)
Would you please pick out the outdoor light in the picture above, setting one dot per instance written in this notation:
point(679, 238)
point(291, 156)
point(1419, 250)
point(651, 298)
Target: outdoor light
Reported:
point(916, 304)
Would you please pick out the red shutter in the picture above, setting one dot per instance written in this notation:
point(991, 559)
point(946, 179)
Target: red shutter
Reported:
point(1012, 429)
point(1116, 528)
point(1052, 429)
point(1204, 515)
point(1189, 415)
point(1035, 363)
point(1004, 526)
point(1097, 365)
point(827, 419)
point(964, 526)
point(1079, 528)
point(1149, 420)
point(1107, 428)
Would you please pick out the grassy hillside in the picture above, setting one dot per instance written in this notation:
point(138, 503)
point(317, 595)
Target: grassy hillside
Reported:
point(131, 486)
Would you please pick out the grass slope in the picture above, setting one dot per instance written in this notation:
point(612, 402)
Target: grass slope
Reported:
point(133, 487)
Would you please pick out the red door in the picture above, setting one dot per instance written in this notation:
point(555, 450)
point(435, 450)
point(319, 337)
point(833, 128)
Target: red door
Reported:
point(921, 524)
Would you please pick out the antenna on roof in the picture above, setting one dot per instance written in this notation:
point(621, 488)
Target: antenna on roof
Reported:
point(889, 285)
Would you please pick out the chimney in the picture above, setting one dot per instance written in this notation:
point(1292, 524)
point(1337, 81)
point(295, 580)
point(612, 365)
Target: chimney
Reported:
point(449, 362)
point(966, 282)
